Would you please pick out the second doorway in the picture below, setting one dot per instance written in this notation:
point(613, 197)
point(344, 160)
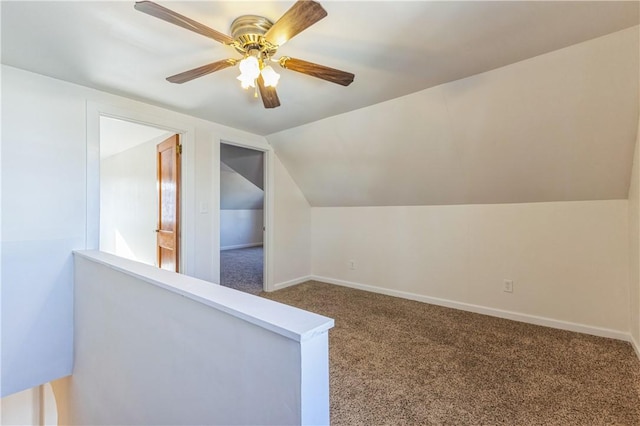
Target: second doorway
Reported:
point(242, 198)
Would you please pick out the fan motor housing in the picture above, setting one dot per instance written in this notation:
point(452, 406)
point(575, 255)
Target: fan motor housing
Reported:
point(248, 32)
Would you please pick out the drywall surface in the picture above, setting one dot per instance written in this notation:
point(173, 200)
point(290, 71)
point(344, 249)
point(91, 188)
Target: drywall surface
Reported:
point(292, 229)
point(196, 354)
point(238, 193)
point(568, 260)
point(241, 228)
point(117, 135)
point(247, 162)
point(634, 248)
point(43, 220)
point(35, 406)
point(20, 408)
point(44, 211)
point(557, 127)
point(129, 203)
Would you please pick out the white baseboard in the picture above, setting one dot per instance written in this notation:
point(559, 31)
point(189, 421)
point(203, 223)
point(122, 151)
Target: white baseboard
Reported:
point(240, 246)
point(290, 283)
point(635, 344)
point(515, 316)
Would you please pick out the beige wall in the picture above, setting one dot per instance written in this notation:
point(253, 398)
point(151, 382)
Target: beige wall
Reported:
point(634, 248)
point(35, 406)
point(568, 260)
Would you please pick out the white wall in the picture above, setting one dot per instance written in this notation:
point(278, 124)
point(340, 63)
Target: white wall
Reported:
point(292, 224)
point(241, 228)
point(129, 203)
point(568, 260)
point(634, 248)
point(196, 354)
point(44, 204)
point(43, 220)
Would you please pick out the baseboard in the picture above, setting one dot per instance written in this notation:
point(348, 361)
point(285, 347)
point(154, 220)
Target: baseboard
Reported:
point(239, 246)
point(290, 283)
point(515, 316)
point(636, 345)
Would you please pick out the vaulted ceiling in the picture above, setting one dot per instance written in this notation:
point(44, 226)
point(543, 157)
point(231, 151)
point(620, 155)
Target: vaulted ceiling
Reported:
point(453, 102)
point(241, 178)
point(394, 48)
point(558, 127)
point(117, 136)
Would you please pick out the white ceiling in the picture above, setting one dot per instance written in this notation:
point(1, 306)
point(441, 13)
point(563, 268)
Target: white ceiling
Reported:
point(394, 48)
point(248, 162)
point(117, 136)
point(558, 127)
point(237, 192)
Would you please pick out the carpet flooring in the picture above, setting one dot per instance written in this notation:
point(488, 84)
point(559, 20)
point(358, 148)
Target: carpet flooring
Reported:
point(242, 269)
point(399, 362)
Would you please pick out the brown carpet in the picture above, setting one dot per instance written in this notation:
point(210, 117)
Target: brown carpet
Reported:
point(396, 361)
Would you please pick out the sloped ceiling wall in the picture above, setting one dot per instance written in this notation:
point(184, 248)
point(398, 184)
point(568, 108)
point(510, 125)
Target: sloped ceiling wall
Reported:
point(241, 178)
point(557, 127)
point(248, 162)
point(117, 135)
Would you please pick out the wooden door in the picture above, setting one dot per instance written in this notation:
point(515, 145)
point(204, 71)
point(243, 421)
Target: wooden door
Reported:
point(168, 230)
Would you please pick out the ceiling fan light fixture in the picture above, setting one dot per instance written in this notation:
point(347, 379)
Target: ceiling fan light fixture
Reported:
point(257, 39)
point(270, 76)
point(249, 68)
point(246, 82)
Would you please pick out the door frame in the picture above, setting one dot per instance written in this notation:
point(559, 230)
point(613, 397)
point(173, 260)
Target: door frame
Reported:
point(267, 151)
point(186, 132)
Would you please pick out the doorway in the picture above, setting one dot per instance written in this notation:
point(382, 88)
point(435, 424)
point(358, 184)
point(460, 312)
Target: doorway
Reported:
point(242, 218)
point(130, 192)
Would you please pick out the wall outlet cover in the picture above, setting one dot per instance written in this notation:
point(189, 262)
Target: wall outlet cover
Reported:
point(508, 286)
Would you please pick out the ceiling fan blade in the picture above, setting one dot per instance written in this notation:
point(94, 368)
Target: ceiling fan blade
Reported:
point(160, 12)
point(183, 77)
point(299, 17)
point(268, 94)
point(320, 71)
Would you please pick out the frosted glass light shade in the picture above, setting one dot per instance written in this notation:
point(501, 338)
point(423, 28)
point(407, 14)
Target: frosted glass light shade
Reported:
point(246, 82)
point(249, 67)
point(270, 76)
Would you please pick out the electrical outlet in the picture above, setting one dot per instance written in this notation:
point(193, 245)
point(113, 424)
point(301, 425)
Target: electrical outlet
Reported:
point(507, 286)
point(352, 265)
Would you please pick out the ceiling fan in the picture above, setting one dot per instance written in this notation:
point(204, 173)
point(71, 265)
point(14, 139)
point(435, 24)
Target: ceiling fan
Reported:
point(258, 40)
